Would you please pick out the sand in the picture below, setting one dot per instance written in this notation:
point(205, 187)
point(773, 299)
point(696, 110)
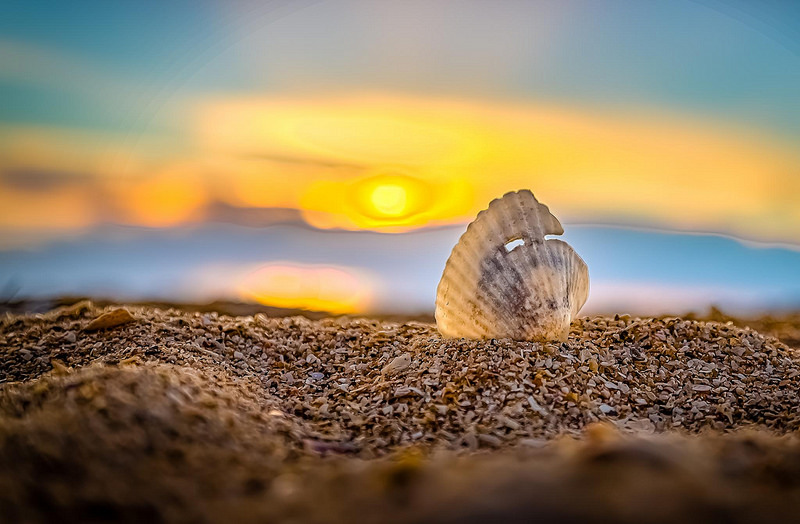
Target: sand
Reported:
point(168, 416)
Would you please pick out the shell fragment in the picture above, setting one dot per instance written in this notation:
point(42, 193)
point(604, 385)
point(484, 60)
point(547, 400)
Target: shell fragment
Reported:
point(504, 279)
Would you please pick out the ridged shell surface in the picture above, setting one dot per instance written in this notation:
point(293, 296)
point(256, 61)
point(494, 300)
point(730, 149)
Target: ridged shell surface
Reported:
point(504, 279)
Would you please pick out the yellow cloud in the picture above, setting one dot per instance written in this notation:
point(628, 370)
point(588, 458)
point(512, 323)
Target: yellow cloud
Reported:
point(587, 165)
point(395, 163)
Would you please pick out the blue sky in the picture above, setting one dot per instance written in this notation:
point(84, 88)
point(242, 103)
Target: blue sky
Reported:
point(734, 60)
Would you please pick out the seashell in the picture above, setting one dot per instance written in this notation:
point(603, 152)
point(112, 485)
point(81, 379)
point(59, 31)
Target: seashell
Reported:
point(504, 279)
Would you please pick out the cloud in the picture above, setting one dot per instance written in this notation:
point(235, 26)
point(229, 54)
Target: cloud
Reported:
point(305, 161)
point(393, 163)
point(37, 179)
point(79, 92)
point(638, 166)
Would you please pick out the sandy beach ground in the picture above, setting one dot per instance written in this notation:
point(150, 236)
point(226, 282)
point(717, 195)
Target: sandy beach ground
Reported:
point(161, 415)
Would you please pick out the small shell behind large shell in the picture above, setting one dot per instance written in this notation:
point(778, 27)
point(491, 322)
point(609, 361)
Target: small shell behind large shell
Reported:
point(504, 279)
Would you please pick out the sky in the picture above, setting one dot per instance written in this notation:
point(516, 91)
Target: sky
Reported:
point(283, 149)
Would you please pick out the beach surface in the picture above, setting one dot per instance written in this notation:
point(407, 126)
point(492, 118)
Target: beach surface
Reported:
point(161, 415)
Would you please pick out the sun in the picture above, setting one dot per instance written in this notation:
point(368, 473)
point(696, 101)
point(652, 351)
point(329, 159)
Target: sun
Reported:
point(389, 200)
point(386, 199)
point(389, 197)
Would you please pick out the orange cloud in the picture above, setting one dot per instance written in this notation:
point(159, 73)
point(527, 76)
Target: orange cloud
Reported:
point(56, 211)
point(175, 195)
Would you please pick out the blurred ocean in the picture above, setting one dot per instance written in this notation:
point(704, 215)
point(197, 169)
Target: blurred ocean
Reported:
point(637, 271)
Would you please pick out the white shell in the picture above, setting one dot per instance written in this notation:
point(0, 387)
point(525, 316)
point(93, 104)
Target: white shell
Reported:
point(494, 286)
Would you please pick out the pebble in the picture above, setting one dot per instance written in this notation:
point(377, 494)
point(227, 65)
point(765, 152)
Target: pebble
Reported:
point(397, 364)
point(110, 319)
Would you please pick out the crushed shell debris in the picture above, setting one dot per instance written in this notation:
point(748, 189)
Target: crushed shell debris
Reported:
point(368, 387)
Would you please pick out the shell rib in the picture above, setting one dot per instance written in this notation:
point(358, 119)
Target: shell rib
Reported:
point(495, 286)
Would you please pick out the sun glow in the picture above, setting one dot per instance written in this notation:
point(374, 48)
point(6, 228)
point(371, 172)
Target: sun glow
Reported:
point(389, 198)
point(317, 288)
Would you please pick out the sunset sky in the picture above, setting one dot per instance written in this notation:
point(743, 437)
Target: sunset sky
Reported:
point(327, 154)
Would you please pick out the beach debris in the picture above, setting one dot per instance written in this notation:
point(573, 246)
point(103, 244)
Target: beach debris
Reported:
point(59, 368)
point(461, 394)
point(111, 318)
point(607, 410)
point(397, 364)
point(505, 279)
point(73, 310)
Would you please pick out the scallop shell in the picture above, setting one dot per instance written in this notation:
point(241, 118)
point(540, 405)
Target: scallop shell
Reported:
point(504, 279)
